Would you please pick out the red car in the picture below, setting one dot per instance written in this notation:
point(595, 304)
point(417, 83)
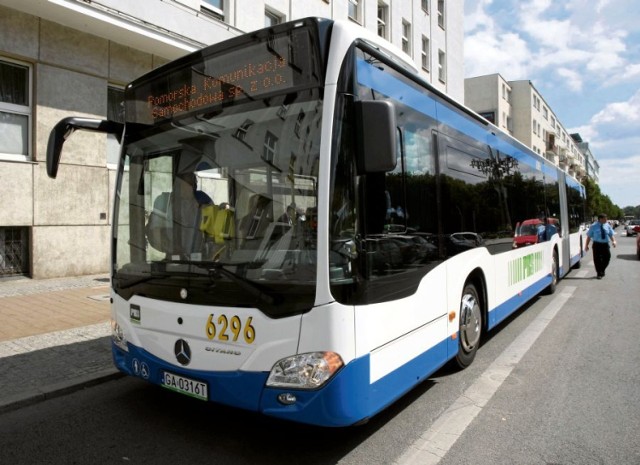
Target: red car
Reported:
point(533, 231)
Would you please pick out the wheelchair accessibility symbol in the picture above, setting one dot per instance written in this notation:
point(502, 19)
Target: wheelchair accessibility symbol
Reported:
point(140, 368)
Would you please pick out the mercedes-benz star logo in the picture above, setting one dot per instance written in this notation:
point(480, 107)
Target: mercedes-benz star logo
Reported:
point(182, 351)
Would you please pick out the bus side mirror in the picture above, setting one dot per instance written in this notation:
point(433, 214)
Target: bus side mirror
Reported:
point(63, 130)
point(377, 145)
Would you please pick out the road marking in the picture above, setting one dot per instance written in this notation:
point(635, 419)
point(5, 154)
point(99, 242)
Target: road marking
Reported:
point(435, 442)
point(54, 339)
point(581, 274)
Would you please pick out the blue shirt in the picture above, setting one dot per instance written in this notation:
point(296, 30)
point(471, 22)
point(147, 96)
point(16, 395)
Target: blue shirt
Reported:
point(596, 230)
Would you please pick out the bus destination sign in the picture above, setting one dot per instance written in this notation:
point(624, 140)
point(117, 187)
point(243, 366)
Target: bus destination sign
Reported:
point(250, 80)
point(277, 64)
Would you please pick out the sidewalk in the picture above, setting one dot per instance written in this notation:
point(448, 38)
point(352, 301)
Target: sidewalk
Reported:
point(54, 337)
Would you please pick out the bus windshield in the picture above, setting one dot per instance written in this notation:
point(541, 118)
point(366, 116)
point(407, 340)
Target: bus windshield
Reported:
point(217, 188)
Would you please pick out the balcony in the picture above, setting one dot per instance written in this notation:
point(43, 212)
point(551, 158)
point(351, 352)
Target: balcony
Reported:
point(563, 161)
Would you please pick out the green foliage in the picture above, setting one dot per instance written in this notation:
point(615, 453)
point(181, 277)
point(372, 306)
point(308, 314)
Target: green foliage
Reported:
point(597, 202)
point(634, 211)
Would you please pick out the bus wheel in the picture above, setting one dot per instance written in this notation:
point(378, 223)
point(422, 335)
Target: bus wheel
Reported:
point(554, 275)
point(470, 326)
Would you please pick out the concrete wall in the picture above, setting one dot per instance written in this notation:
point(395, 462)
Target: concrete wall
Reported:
point(521, 99)
point(69, 217)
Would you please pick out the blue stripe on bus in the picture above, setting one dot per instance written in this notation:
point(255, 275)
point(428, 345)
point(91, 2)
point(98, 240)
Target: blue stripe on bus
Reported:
point(371, 76)
point(349, 398)
point(384, 82)
point(502, 311)
point(240, 389)
point(346, 399)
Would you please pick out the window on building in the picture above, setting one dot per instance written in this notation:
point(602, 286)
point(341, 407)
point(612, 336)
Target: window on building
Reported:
point(489, 116)
point(355, 10)
point(406, 37)
point(270, 146)
point(383, 20)
point(14, 251)
point(506, 93)
point(425, 53)
point(425, 6)
point(442, 66)
point(271, 18)
point(241, 132)
point(545, 113)
point(535, 127)
point(441, 17)
point(213, 8)
point(115, 112)
point(15, 109)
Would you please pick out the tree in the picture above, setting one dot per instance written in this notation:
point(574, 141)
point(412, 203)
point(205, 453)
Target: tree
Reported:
point(597, 202)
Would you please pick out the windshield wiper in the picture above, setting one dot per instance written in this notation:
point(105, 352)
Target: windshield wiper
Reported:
point(248, 285)
point(139, 280)
point(212, 268)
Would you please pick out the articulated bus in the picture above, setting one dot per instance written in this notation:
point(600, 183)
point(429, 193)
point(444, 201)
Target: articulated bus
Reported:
point(305, 228)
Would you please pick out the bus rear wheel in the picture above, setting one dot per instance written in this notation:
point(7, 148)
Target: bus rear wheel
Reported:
point(470, 326)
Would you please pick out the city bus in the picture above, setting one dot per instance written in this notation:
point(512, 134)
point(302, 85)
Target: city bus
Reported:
point(305, 228)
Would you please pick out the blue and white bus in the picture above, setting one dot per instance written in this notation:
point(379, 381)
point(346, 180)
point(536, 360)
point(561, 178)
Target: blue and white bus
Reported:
point(305, 228)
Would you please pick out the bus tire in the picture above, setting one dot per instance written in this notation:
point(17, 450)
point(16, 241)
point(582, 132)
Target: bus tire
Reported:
point(470, 326)
point(555, 275)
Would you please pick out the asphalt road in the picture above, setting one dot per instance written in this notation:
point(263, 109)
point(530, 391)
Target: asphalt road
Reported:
point(558, 383)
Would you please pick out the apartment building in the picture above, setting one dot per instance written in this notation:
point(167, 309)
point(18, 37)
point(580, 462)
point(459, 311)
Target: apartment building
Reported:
point(73, 57)
point(518, 108)
point(490, 96)
point(591, 165)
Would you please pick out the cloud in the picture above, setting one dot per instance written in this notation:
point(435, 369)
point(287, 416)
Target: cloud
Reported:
point(630, 73)
point(621, 114)
point(476, 18)
point(619, 180)
point(544, 37)
point(488, 53)
point(572, 78)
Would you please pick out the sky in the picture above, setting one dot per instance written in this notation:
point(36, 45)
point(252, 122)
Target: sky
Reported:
point(584, 59)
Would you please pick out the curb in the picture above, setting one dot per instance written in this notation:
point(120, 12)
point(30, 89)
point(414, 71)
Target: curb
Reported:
point(60, 389)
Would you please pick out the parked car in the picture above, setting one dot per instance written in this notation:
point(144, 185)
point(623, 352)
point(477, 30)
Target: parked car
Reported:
point(632, 227)
point(463, 241)
point(532, 231)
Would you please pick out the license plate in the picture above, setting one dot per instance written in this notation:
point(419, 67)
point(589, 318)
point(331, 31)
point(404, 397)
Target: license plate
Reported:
point(184, 385)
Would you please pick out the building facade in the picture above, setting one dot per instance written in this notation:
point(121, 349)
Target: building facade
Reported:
point(590, 163)
point(518, 108)
point(61, 58)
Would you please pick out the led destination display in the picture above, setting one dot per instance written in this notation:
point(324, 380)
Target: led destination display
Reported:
point(279, 64)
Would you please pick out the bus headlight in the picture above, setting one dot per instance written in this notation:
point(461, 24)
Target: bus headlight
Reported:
point(118, 337)
point(304, 371)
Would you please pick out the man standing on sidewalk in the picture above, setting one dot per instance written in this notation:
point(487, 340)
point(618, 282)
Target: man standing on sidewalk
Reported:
point(600, 232)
